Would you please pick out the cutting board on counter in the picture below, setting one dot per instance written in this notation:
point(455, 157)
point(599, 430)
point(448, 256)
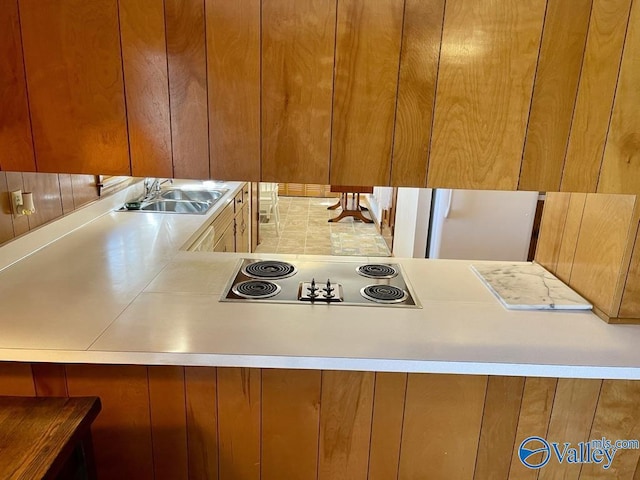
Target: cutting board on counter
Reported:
point(528, 286)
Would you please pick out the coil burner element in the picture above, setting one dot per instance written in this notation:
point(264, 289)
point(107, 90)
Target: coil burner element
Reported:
point(270, 269)
point(256, 289)
point(376, 270)
point(384, 294)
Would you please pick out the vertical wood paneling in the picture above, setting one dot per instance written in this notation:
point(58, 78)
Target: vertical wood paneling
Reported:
point(202, 422)
point(298, 40)
point(122, 431)
point(145, 74)
point(16, 379)
point(499, 425)
point(233, 70)
point(74, 79)
point(487, 64)
point(602, 244)
point(345, 425)
point(368, 46)
point(630, 306)
point(187, 57)
point(554, 216)
point(535, 413)
point(16, 144)
point(567, 251)
point(168, 422)
point(554, 94)
point(621, 164)
point(290, 421)
point(46, 197)
point(50, 379)
point(66, 192)
point(573, 409)
point(416, 91)
point(84, 189)
point(446, 420)
point(239, 407)
point(617, 418)
point(386, 430)
point(455, 404)
point(595, 95)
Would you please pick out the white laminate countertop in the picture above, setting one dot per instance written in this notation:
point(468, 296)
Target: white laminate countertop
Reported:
point(121, 289)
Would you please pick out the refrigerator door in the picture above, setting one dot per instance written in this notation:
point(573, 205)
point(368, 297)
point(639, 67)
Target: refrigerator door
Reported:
point(481, 224)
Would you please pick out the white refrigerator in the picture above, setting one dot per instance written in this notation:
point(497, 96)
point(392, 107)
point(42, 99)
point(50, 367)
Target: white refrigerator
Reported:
point(481, 224)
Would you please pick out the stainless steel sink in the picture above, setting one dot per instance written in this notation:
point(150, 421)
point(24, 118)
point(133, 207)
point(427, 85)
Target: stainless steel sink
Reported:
point(175, 206)
point(193, 195)
point(176, 200)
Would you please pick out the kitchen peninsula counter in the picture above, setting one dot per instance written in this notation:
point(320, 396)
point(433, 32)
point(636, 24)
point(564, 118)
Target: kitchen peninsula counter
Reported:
point(121, 289)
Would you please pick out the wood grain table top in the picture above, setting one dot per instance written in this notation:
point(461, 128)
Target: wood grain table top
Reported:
point(38, 434)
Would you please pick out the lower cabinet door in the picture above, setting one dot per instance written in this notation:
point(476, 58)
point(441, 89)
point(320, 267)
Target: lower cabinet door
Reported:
point(227, 241)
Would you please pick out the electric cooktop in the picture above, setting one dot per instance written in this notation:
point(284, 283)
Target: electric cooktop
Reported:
point(320, 283)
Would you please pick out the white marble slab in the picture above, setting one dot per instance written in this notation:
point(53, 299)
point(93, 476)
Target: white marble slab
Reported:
point(528, 286)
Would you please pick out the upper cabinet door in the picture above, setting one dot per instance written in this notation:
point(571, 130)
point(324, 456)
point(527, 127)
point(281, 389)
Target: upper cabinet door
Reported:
point(369, 36)
point(554, 93)
point(145, 75)
point(188, 87)
point(74, 77)
point(620, 170)
point(487, 65)
point(233, 77)
point(421, 34)
point(596, 91)
point(298, 42)
point(16, 145)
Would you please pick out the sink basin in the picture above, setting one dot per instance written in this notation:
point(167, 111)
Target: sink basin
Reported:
point(194, 195)
point(175, 206)
point(176, 200)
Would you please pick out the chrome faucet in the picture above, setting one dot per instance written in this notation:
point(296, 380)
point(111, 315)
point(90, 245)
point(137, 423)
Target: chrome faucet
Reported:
point(151, 187)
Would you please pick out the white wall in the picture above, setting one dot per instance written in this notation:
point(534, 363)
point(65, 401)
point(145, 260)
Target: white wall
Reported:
point(412, 222)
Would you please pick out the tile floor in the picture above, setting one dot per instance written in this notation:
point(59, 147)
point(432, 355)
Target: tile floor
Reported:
point(304, 229)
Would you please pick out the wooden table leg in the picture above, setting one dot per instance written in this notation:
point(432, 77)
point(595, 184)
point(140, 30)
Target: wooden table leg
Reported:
point(355, 212)
point(338, 204)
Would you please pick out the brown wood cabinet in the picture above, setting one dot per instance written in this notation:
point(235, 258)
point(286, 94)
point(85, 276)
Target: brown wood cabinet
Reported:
point(227, 241)
point(536, 95)
point(273, 424)
point(229, 231)
point(75, 85)
point(589, 241)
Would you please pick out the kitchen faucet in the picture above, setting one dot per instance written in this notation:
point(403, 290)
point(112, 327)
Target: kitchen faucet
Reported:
point(152, 186)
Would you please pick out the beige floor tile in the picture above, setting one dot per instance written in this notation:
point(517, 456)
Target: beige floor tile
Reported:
point(320, 218)
point(317, 250)
point(289, 250)
point(296, 220)
point(323, 229)
point(342, 228)
point(305, 230)
point(293, 239)
point(295, 210)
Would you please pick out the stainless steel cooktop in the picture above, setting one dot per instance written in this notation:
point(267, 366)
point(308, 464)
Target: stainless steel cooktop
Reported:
point(323, 283)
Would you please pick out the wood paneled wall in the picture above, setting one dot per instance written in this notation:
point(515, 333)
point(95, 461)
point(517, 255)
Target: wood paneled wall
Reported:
point(536, 95)
point(251, 424)
point(53, 195)
point(589, 241)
